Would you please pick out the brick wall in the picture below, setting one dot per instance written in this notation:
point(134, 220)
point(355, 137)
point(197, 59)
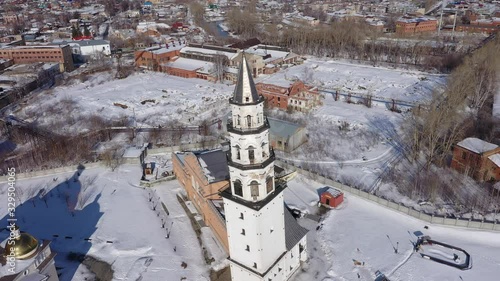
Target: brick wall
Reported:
point(61, 55)
point(191, 173)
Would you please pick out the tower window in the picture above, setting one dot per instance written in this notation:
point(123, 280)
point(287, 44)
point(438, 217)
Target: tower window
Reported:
point(247, 99)
point(269, 184)
point(255, 265)
point(238, 155)
point(242, 231)
point(241, 216)
point(238, 190)
point(251, 155)
point(249, 120)
point(254, 189)
point(238, 120)
point(248, 248)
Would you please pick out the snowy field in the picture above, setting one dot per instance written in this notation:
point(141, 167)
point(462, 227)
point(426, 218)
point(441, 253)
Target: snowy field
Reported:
point(405, 85)
point(109, 206)
point(368, 233)
point(356, 155)
point(150, 98)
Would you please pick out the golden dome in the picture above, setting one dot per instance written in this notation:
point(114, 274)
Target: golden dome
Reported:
point(24, 246)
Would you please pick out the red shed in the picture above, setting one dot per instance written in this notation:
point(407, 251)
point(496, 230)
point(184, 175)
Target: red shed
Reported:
point(331, 197)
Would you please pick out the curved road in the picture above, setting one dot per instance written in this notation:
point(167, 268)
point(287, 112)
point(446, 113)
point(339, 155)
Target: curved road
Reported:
point(387, 155)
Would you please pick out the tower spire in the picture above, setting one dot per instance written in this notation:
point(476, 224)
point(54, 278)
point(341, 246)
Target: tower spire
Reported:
point(245, 91)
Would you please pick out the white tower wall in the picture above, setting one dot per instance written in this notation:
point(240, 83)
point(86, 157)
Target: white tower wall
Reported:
point(253, 205)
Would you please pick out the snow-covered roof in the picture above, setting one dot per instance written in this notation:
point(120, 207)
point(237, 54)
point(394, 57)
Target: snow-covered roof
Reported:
point(133, 152)
point(279, 79)
point(495, 158)
point(261, 50)
point(188, 50)
point(414, 20)
point(334, 192)
point(476, 145)
point(81, 42)
point(190, 64)
point(162, 50)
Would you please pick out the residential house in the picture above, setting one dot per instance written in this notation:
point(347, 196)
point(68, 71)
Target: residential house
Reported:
point(415, 25)
point(207, 53)
point(152, 58)
point(46, 53)
point(489, 26)
point(289, 95)
point(272, 57)
point(84, 49)
point(478, 159)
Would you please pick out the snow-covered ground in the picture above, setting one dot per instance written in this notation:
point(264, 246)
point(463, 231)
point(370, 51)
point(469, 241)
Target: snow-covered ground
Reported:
point(405, 85)
point(368, 233)
point(150, 98)
point(356, 154)
point(109, 206)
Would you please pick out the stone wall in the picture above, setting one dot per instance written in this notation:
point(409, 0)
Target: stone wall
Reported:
point(399, 207)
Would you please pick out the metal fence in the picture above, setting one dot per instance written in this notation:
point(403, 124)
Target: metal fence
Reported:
point(398, 206)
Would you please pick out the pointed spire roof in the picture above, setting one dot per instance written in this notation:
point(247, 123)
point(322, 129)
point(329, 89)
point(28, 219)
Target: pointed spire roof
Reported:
point(245, 91)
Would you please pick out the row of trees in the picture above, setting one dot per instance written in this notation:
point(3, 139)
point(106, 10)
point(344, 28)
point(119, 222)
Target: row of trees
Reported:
point(244, 22)
point(455, 113)
point(462, 110)
point(355, 40)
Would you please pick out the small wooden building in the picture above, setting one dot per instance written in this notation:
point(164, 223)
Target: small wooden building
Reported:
point(331, 197)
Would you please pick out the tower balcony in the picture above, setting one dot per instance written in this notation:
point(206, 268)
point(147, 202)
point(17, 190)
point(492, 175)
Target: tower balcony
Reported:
point(279, 187)
point(247, 131)
point(252, 165)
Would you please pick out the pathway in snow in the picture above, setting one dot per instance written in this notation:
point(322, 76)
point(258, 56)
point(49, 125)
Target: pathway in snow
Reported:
point(138, 268)
point(410, 253)
point(381, 158)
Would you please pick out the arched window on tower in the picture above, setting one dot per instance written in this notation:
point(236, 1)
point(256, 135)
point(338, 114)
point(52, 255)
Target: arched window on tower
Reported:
point(238, 120)
point(249, 120)
point(254, 188)
point(269, 184)
point(238, 190)
point(251, 154)
point(238, 154)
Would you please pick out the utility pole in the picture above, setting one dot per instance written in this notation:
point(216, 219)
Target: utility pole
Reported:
point(441, 18)
point(454, 24)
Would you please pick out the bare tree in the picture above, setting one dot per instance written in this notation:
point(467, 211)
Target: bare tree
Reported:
point(112, 157)
point(220, 62)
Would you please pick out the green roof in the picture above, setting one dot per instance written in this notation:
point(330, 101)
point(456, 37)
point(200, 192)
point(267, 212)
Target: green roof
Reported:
point(282, 128)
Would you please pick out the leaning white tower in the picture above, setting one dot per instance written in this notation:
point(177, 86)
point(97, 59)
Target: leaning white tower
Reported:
point(253, 205)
